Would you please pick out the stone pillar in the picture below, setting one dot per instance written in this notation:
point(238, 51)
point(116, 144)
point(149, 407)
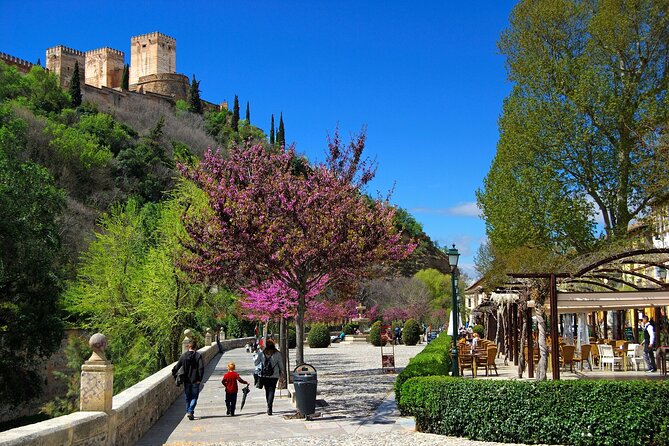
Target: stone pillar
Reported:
point(97, 378)
point(184, 344)
point(208, 337)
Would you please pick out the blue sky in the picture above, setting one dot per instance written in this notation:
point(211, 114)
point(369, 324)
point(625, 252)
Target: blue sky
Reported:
point(424, 77)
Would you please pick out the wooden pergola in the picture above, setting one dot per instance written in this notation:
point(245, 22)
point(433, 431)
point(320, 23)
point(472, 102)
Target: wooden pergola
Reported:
point(600, 287)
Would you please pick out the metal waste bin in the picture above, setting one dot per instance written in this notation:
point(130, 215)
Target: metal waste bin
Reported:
point(305, 380)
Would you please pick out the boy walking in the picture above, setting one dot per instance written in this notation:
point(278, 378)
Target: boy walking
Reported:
point(230, 382)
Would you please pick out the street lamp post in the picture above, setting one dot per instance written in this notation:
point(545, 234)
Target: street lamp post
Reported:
point(453, 256)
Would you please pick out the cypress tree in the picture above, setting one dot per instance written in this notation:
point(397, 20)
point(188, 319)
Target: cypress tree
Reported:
point(271, 132)
point(235, 114)
point(75, 86)
point(194, 101)
point(125, 82)
point(248, 113)
point(281, 134)
point(39, 62)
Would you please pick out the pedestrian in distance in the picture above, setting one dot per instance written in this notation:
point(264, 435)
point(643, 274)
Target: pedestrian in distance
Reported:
point(649, 339)
point(193, 366)
point(272, 368)
point(230, 382)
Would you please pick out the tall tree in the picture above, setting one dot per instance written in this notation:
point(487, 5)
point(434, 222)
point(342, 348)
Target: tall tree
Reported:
point(588, 104)
point(235, 114)
point(248, 113)
point(75, 86)
point(281, 133)
point(271, 132)
point(269, 223)
point(125, 82)
point(194, 101)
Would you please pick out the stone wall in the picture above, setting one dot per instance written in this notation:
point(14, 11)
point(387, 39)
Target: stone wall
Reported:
point(167, 84)
point(110, 98)
point(22, 65)
point(104, 67)
point(133, 413)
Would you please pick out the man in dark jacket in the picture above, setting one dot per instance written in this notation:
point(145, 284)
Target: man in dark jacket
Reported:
point(193, 373)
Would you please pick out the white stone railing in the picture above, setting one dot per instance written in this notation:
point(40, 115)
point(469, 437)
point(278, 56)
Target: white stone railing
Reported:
point(132, 413)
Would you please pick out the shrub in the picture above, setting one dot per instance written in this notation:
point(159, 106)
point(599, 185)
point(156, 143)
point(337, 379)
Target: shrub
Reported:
point(349, 328)
point(435, 359)
point(375, 334)
point(411, 332)
point(597, 412)
point(319, 336)
point(480, 330)
point(292, 338)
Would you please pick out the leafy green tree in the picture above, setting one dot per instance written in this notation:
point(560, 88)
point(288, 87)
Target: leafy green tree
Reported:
point(271, 132)
point(235, 114)
point(30, 205)
point(107, 131)
point(81, 147)
point(194, 101)
point(43, 91)
point(125, 80)
point(248, 113)
point(588, 103)
point(75, 86)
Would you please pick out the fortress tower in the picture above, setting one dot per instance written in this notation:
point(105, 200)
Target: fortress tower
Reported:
point(61, 59)
point(104, 67)
point(153, 53)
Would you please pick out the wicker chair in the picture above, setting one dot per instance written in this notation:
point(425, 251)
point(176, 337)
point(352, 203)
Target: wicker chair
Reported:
point(567, 357)
point(488, 360)
point(585, 356)
point(465, 361)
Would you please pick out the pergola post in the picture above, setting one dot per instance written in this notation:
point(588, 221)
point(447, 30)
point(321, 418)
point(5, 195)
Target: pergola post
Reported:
point(606, 325)
point(635, 324)
point(530, 349)
point(555, 357)
point(514, 337)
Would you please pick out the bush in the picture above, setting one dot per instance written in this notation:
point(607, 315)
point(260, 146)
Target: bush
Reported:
point(435, 359)
point(349, 328)
point(555, 412)
point(411, 332)
point(375, 334)
point(319, 336)
point(292, 338)
point(480, 330)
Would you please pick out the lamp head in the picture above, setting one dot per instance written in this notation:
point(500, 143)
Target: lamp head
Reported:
point(453, 256)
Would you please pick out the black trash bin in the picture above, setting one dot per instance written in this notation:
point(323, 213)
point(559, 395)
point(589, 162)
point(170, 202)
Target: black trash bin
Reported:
point(305, 380)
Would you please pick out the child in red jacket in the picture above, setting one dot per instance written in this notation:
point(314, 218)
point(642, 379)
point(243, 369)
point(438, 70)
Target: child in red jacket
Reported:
point(230, 382)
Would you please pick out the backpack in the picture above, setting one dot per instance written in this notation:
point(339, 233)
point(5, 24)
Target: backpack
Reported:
point(267, 369)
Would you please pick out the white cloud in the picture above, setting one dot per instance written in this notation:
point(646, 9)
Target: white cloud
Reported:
point(468, 209)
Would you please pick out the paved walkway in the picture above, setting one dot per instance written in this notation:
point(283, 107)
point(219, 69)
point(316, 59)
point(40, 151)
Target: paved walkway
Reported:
point(356, 401)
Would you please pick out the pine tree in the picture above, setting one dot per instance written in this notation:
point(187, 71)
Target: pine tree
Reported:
point(194, 101)
point(75, 86)
point(235, 115)
point(248, 113)
point(125, 82)
point(271, 132)
point(281, 134)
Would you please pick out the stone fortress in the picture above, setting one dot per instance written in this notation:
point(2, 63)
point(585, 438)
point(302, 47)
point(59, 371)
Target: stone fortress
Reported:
point(153, 64)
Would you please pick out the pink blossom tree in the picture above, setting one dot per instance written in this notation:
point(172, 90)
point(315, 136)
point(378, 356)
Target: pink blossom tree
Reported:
point(275, 219)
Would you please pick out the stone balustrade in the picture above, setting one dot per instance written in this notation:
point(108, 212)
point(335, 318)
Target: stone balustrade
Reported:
point(133, 412)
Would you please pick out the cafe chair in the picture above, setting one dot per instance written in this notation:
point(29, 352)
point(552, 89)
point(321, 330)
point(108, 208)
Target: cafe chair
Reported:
point(606, 356)
point(585, 356)
point(567, 357)
point(465, 361)
point(635, 356)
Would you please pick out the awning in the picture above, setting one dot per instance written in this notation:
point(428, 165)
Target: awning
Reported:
point(608, 301)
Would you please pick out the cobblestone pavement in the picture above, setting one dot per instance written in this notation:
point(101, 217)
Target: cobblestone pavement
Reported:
point(355, 399)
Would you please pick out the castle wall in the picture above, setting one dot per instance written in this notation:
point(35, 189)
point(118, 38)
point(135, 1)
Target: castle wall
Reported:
point(61, 60)
point(153, 53)
point(104, 67)
point(22, 65)
point(167, 84)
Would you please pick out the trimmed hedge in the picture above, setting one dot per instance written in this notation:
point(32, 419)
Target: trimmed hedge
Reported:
point(411, 332)
point(375, 334)
point(319, 336)
point(582, 412)
point(435, 359)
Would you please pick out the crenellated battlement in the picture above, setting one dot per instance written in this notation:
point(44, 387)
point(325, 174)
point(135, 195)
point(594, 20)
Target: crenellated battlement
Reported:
point(62, 49)
point(154, 35)
point(12, 60)
point(105, 51)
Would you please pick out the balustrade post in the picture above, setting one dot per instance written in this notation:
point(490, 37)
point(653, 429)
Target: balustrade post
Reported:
point(187, 338)
point(208, 337)
point(97, 378)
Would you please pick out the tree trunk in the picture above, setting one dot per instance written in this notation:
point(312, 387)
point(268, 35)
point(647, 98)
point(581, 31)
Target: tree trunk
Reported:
point(283, 347)
point(265, 333)
point(523, 337)
point(286, 359)
point(299, 329)
point(541, 326)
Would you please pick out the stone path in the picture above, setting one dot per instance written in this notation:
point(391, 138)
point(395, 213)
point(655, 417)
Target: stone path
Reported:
point(356, 402)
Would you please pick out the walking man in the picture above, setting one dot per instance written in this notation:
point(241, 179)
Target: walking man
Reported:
point(649, 344)
point(193, 366)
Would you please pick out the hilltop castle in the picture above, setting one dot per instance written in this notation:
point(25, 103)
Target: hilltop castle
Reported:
point(153, 61)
